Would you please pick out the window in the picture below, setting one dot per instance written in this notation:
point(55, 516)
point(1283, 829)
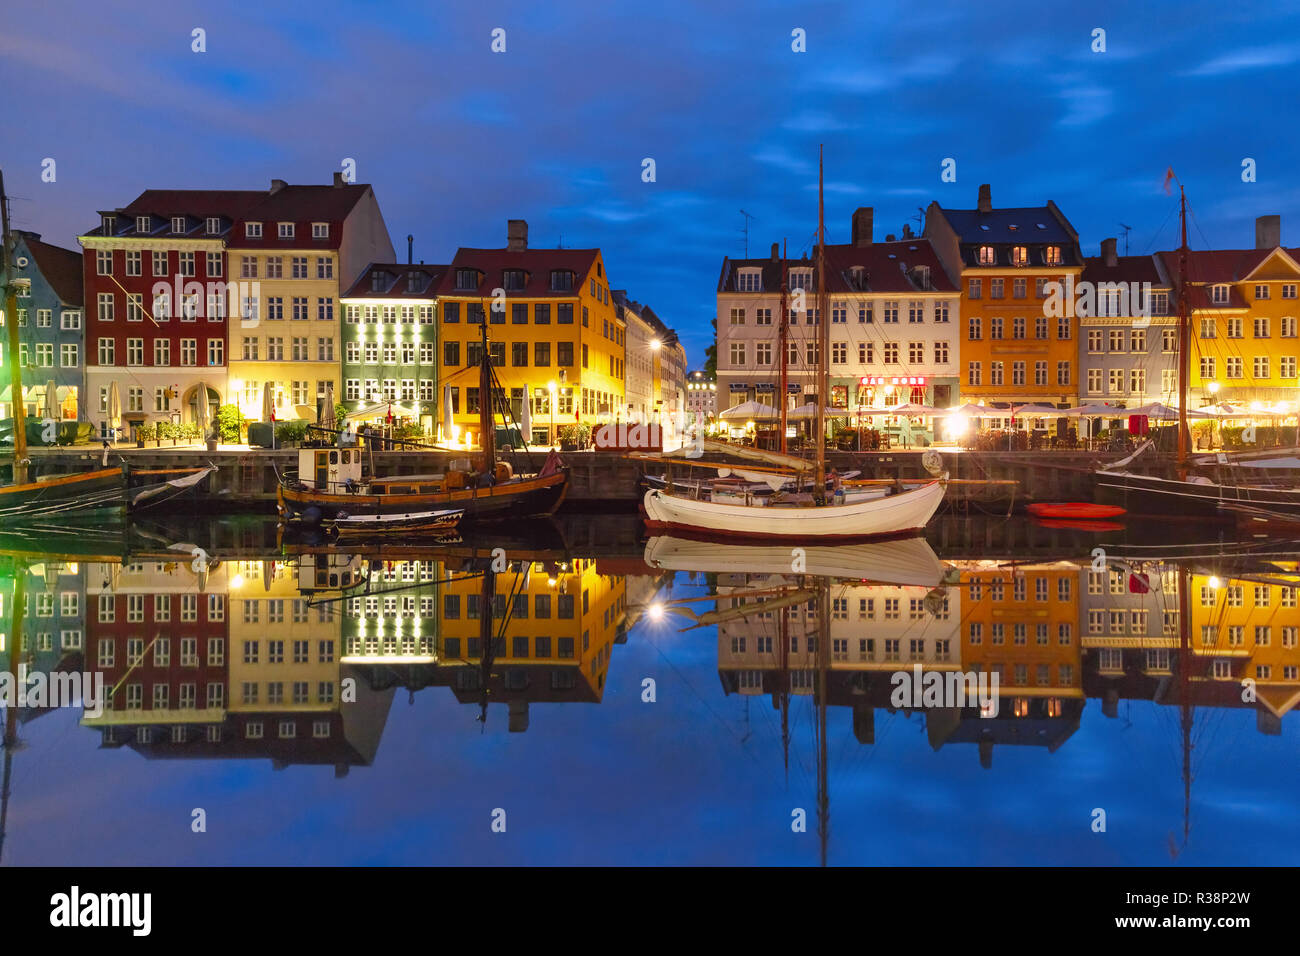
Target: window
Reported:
point(737, 351)
point(1019, 256)
point(1236, 328)
point(995, 328)
point(1118, 340)
point(106, 352)
point(68, 355)
point(974, 289)
point(1219, 294)
point(1233, 366)
point(985, 257)
point(1261, 366)
point(973, 332)
point(973, 373)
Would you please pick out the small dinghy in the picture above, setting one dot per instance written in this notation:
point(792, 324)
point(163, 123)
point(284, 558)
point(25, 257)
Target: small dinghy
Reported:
point(1075, 511)
point(415, 522)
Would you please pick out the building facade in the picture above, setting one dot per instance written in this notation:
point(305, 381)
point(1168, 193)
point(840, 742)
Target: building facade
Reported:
point(389, 342)
point(159, 292)
point(893, 315)
point(1244, 313)
point(1128, 340)
point(702, 394)
point(1013, 351)
point(554, 335)
point(51, 329)
point(299, 244)
point(641, 388)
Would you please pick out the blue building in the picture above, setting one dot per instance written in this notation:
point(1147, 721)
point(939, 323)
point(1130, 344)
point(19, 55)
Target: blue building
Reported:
point(51, 328)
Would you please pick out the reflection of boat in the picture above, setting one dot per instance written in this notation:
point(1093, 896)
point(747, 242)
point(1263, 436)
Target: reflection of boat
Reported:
point(1074, 510)
point(1071, 525)
point(418, 522)
point(530, 539)
point(799, 518)
point(329, 480)
point(904, 561)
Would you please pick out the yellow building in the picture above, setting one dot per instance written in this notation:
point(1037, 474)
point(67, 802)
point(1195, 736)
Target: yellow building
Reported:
point(554, 333)
point(1244, 317)
point(297, 249)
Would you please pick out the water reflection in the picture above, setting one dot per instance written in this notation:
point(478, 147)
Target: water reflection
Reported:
point(253, 647)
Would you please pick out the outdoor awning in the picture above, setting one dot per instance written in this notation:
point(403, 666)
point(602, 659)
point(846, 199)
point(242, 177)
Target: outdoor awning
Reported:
point(1098, 410)
point(749, 410)
point(810, 411)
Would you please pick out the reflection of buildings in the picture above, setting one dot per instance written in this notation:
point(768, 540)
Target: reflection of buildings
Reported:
point(53, 639)
point(553, 625)
point(233, 662)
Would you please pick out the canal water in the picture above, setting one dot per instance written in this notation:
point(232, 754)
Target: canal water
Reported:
point(568, 692)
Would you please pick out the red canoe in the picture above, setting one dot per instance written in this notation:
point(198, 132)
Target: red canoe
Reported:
point(1075, 510)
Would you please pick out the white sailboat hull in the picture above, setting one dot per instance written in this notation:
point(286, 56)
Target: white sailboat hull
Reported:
point(876, 517)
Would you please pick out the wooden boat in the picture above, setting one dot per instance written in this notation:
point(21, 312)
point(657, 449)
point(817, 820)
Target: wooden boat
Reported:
point(329, 480)
point(418, 522)
point(845, 515)
point(1074, 510)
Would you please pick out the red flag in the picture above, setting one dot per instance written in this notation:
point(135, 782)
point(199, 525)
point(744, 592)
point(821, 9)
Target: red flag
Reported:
point(1169, 177)
point(1138, 583)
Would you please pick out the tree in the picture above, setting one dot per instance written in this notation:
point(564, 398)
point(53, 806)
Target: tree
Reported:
point(711, 353)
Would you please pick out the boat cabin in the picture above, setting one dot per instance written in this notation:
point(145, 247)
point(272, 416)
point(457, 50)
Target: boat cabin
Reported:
point(329, 469)
point(329, 572)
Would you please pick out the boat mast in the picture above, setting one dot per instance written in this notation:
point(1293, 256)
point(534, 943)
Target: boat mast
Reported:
point(823, 340)
point(823, 689)
point(486, 399)
point(1184, 335)
point(1185, 685)
point(11, 323)
point(785, 350)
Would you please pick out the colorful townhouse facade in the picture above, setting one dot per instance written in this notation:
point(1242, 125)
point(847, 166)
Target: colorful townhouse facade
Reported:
point(1128, 340)
point(302, 246)
point(51, 329)
point(389, 340)
point(894, 322)
point(1013, 351)
point(1244, 313)
point(158, 291)
point(554, 335)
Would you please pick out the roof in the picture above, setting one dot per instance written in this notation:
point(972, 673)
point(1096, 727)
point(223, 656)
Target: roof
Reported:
point(1126, 269)
point(396, 285)
point(1207, 267)
point(1030, 226)
point(197, 205)
point(537, 265)
point(60, 267)
point(887, 267)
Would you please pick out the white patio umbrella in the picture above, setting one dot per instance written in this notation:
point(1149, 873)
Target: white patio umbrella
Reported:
point(974, 411)
point(446, 413)
point(810, 411)
point(114, 408)
point(327, 413)
point(912, 409)
point(747, 410)
point(1034, 411)
point(202, 413)
point(1096, 410)
point(268, 408)
point(1165, 413)
point(51, 400)
point(526, 418)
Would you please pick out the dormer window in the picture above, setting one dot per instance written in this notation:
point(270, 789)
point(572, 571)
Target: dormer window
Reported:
point(142, 224)
point(285, 230)
point(178, 224)
point(514, 279)
point(749, 280)
point(1053, 254)
point(1219, 294)
point(561, 280)
point(108, 224)
point(213, 226)
point(801, 279)
point(1019, 256)
point(986, 255)
point(253, 230)
point(320, 230)
point(376, 281)
point(414, 281)
point(466, 278)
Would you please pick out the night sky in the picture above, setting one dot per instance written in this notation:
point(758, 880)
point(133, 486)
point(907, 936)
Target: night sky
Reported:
point(456, 138)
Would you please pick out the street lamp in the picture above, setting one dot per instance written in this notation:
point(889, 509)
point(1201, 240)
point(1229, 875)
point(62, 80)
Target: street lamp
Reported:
point(553, 390)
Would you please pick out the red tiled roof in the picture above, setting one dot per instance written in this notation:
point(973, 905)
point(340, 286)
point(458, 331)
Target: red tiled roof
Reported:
point(536, 263)
point(883, 263)
point(60, 267)
point(400, 288)
point(300, 205)
point(1216, 265)
point(1126, 269)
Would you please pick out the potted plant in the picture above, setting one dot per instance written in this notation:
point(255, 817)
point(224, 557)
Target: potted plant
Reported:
point(575, 436)
point(229, 425)
point(145, 432)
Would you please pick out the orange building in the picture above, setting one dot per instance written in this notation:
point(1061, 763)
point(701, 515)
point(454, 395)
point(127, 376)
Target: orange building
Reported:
point(1012, 351)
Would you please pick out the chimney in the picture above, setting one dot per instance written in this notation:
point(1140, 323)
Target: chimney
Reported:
point(890, 238)
point(338, 179)
point(277, 185)
point(862, 223)
point(1268, 232)
point(907, 230)
point(776, 251)
point(410, 248)
point(516, 235)
point(986, 198)
point(1109, 254)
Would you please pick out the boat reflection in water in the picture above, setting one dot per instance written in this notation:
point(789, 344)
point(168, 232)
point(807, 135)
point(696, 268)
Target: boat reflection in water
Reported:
point(249, 647)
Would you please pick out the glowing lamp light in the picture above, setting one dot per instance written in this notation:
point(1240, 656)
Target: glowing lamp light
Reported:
point(237, 581)
point(958, 425)
point(1215, 582)
point(1213, 387)
point(655, 612)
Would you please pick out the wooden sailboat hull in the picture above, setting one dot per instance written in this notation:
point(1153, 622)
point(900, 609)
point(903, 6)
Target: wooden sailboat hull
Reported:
point(93, 494)
point(518, 498)
point(893, 515)
point(1148, 494)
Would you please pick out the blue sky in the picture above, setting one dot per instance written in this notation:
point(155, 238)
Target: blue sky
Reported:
point(456, 139)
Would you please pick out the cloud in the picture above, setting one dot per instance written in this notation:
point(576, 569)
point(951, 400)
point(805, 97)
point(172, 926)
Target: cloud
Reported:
point(1251, 58)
